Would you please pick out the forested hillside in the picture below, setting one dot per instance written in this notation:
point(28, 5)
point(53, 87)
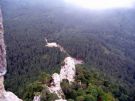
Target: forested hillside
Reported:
point(89, 85)
point(104, 40)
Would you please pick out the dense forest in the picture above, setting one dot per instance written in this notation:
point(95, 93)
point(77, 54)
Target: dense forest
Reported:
point(104, 40)
point(89, 85)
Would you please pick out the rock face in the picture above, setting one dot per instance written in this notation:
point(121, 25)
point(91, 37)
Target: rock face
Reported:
point(4, 95)
point(68, 69)
point(60, 100)
point(51, 44)
point(54, 44)
point(9, 96)
point(1, 86)
point(36, 98)
point(55, 85)
point(3, 62)
point(67, 72)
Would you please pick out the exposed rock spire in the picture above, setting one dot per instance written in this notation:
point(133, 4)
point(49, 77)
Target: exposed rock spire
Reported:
point(3, 63)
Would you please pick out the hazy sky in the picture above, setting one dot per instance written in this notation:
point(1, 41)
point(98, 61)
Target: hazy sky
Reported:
point(102, 4)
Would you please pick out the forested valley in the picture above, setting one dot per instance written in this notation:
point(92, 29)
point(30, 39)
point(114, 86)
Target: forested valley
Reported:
point(105, 41)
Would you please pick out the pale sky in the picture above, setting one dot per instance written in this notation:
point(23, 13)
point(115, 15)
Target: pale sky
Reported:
point(102, 4)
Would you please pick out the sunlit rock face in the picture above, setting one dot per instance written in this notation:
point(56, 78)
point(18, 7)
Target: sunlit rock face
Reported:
point(51, 44)
point(4, 95)
point(68, 69)
point(1, 86)
point(9, 96)
point(68, 72)
point(55, 85)
point(3, 63)
point(54, 44)
point(36, 98)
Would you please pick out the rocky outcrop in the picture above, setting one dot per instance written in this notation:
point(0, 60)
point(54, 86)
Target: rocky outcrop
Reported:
point(4, 95)
point(51, 44)
point(61, 100)
point(55, 86)
point(3, 63)
point(36, 98)
point(67, 72)
point(54, 44)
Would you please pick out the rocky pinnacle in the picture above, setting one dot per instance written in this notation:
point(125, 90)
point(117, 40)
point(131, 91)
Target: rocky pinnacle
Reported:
point(3, 63)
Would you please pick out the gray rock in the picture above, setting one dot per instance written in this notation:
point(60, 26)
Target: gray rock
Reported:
point(3, 63)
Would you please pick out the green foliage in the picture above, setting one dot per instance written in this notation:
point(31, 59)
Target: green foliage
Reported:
point(123, 97)
point(70, 100)
point(80, 98)
point(29, 91)
point(47, 96)
point(91, 86)
point(88, 86)
point(39, 87)
point(44, 78)
point(89, 98)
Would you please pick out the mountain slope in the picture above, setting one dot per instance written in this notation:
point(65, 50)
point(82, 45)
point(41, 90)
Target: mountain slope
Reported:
point(104, 40)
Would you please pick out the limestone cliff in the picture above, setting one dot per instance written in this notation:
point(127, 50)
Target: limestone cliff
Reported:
point(4, 95)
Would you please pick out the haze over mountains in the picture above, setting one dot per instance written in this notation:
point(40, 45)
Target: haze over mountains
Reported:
point(104, 39)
